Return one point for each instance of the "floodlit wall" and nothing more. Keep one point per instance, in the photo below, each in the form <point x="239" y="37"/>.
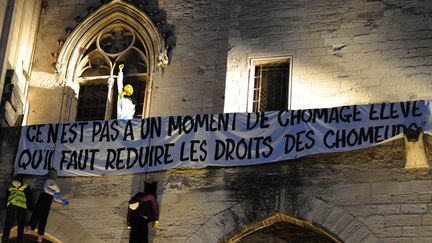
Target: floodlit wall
<point x="2" y="12"/>
<point x="18" y="55"/>
<point x="343" y="52"/>
<point x="3" y="5"/>
<point x="198" y="61"/>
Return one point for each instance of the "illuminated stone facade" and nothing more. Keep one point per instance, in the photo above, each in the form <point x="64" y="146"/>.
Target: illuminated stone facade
<point x="341" y="52"/>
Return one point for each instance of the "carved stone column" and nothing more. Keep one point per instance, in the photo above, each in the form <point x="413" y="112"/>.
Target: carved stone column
<point x="109" y="102"/>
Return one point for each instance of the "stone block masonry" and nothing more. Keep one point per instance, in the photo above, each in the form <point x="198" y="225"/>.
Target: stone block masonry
<point x="372" y="49"/>
<point x="342" y="52"/>
<point x="208" y="204"/>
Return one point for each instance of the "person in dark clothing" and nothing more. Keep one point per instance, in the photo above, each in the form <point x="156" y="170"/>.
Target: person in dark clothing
<point x="40" y="215"/>
<point x="138" y="216"/>
<point x="19" y="200"/>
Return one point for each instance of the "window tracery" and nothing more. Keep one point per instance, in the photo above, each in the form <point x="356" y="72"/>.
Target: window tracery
<point x="116" y="44"/>
<point x="115" y="32"/>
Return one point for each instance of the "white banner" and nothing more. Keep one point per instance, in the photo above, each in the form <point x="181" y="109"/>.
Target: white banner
<point x="114" y="147"/>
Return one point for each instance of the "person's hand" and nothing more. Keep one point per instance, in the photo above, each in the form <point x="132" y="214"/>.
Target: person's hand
<point x="156" y="224"/>
<point x="57" y="196"/>
<point x="65" y="202"/>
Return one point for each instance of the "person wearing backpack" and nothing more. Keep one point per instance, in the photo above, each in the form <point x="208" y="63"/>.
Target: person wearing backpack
<point x="143" y="208"/>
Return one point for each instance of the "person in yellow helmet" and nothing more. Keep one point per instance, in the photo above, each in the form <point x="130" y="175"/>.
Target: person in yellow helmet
<point x="125" y="103"/>
<point x="127" y="90"/>
<point x="19" y="200"/>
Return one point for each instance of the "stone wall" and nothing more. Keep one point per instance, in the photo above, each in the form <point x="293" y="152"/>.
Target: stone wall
<point x="55" y="18"/>
<point x="3" y="21"/>
<point x="361" y="195"/>
<point x="198" y="60"/>
<point x="343" y="52"/>
<point x="22" y="21"/>
<point x="364" y="195"/>
<point x="2" y="12"/>
<point x="8" y="147"/>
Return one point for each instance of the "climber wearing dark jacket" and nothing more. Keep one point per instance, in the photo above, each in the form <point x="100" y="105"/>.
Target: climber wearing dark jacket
<point x="143" y="208"/>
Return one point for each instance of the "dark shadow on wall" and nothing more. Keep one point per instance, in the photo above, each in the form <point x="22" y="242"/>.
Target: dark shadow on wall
<point x="9" y="138"/>
<point x="264" y="186"/>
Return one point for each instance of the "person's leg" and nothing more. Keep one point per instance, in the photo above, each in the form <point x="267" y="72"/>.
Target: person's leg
<point x="10" y="216"/>
<point x="21" y="220"/>
<point x="132" y="234"/>
<point x="40" y="238"/>
<point x="145" y="233"/>
<point x="46" y="201"/>
<point x="34" y="219"/>
<point x="139" y="232"/>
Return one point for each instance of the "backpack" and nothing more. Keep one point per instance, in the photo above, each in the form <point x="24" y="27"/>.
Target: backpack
<point x="145" y="210"/>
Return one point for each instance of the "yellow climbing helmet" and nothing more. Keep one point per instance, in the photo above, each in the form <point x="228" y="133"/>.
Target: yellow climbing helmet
<point x="128" y="90"/>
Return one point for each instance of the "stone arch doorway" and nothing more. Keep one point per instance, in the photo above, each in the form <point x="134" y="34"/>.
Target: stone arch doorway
<point x="310" y="212"/>
<point x="282" y="228"/>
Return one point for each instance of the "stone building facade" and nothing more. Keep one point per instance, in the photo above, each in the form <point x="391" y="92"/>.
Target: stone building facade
<point x="194" y="57"/>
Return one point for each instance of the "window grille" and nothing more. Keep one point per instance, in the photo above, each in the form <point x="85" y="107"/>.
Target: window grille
<point x="91" y="102"/>
<point x="270" y="92"/>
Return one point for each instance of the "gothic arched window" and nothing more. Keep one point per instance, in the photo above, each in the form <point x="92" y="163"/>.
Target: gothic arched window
<point x="88" y="63"/>
<point x="116" y="44"/>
